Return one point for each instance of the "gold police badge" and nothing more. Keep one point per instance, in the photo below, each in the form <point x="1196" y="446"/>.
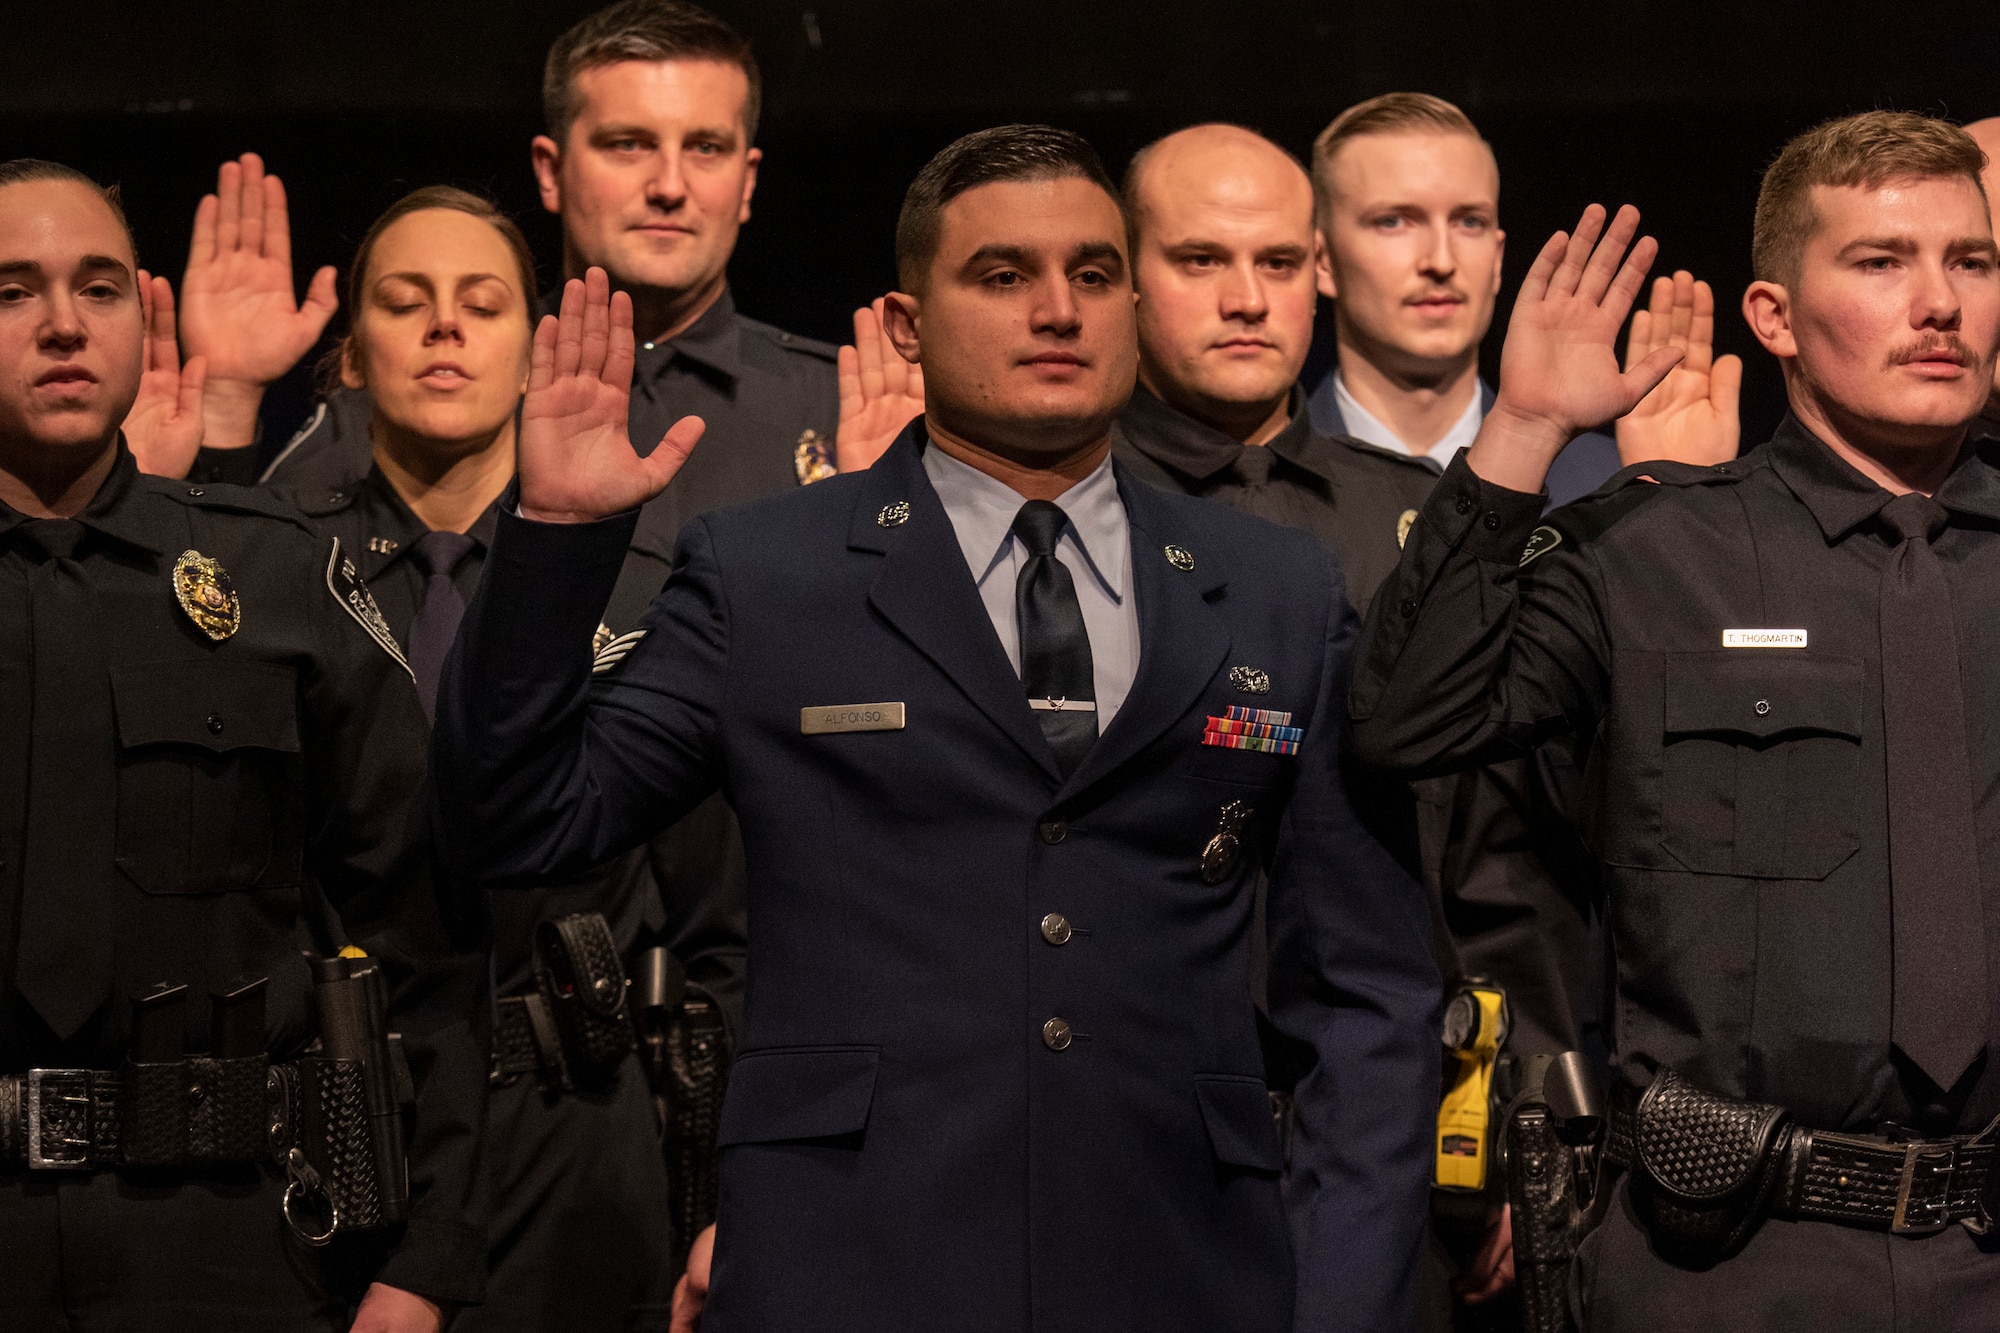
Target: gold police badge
<point x="207" y="594"/>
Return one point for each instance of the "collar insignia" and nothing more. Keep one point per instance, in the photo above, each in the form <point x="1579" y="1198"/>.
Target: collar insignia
<point x="1404" y="522"/>
<point x="206" y="592"/>
<point x="1180" y="558"/>
<point x="894" y="515"/>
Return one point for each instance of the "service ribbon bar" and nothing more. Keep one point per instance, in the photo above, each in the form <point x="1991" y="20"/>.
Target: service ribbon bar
<point x="1263" y="717"/>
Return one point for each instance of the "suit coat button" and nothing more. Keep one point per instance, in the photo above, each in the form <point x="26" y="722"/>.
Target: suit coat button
<point x="1052" y="831"/>
<point x="1056" y="929"/>
<point x="1056" y="1035"/>
<point x="215" y="724"/>
<point x="1464" y="504"/>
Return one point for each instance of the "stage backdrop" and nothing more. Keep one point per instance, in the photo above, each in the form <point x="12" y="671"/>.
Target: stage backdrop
<point x="1675" y="108"/>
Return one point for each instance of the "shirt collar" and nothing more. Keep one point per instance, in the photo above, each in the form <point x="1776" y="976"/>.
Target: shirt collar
<point x="108" y="512"/>
<point x="1841" y="499"/>
<point x="713" y="341"/>
<point x="1365" y="426"/>
<point x="1196" y="450"/>
<point x="389" y="515"/>
<point x="982" y="511"/>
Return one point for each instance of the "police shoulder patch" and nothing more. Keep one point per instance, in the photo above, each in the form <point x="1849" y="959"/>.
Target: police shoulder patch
<point x="343" y="580"/>
<point x="608" y="649"/>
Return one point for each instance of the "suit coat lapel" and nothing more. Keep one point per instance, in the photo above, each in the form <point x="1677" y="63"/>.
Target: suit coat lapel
<point x="925" y="591"/>
<point x="1182" y="641"/>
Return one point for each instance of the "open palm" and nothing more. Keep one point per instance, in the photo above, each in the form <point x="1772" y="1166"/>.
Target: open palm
<point x="880" y="393"/>
<point x="577" y="462"/>
<point x="163" y="428"/>
<point x="1560" y="361"/>
<point x="1691" y="417"/>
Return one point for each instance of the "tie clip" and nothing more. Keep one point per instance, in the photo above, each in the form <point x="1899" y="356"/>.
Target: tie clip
<point x="1064" y="705"/>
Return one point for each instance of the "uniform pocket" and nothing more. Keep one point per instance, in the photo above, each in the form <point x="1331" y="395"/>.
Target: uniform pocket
<point x="1237" y="1111"/>
<point x="209" y="790"/>
<point x="1762" y="762"/>
<point x="785" y="1094"/>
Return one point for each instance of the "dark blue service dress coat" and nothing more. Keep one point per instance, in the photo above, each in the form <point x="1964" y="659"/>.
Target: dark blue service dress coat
<point x="905" y="1145"/>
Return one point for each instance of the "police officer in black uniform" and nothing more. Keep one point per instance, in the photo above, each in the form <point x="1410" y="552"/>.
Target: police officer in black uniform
<point x="213" y="762"/>
<point x="1223" y="250"/>
<point x="1783" y="668"/>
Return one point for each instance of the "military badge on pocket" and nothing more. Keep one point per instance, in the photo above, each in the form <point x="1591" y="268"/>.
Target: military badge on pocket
<point x="1218" y="858"/>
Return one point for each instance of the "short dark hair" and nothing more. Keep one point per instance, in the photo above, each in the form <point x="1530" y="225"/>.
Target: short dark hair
<point x="643" y="30"/>
<point x="1003" y="153"/>
<point x="418" y="201"/>
<point x="24" y="169"/>
<point x="1870" y="149"/>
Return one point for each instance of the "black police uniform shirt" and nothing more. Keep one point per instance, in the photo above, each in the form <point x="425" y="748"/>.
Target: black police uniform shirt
<point x="1511" y="887"/>
<point x="1745" y="848"/>
<point x="763" y="393"/>
<point x="234" y="790"/>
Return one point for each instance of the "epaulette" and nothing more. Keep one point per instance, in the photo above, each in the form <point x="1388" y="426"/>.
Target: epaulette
<point x="792" y="342"/>
<point x="1584" y="520"/>
<point x="223" y="498"/>
<point x="322" y="501"/>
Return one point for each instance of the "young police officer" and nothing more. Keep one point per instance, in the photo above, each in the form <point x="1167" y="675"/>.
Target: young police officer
<point x="1785" y="666"/>
<point x="211" y="760"/>
<point x="1011" y="735"/>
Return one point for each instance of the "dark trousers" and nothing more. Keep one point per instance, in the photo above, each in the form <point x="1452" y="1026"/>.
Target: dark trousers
<point x="579" y="1231"/>
<point x="1811" y="1276"/>
<point x="115" y="1253"/>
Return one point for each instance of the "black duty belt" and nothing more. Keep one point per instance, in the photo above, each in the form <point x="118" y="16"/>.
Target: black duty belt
<point x="184" y="1113"/>
<point x="525" y="1040"/>
<point x="1705" y="1151"/>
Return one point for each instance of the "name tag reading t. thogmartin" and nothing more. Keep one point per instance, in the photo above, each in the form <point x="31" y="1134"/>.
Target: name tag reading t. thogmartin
<point x="1763" y="638"/>
<point x="829" y="718"/>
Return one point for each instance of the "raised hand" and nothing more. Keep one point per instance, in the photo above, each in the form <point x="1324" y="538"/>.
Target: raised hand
<point x="237" y="304"/>
<point x="880" y="393"/>
<point x="577" y="462"/>
<point x="164" y="427"/>
<point x="1559" y="372"/>
<point x="1691" y="417"/>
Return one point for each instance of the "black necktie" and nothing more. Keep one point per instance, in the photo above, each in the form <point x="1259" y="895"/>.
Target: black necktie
<point x="437" y="554"/>
<point x="1055" y="649"/>
<point x="1940" y="941"/>
<point x="67" y="928"/>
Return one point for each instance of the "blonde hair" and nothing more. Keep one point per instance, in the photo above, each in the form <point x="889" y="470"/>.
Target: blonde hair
<point x="1391" y="113"/>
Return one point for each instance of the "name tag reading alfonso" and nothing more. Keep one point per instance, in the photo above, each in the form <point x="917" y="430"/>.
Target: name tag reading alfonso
<point x="829" y="718"/>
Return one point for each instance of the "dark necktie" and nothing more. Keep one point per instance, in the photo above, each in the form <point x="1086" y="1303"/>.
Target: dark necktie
<point x="1940" y="941"/>
<point x="1055" y="650"/>
<point x="438" y="555"/>
<point x="67" y="927"/>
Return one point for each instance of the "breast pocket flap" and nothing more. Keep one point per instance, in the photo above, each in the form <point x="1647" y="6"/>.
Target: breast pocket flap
<point x="800" y="1092"/>
<point x="217" y="705"/>
<point x="1763" y="693"/>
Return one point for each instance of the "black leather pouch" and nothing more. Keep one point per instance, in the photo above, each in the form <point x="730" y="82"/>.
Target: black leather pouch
<point x="1705" y="1168"/>
<point x="583" y="980"/>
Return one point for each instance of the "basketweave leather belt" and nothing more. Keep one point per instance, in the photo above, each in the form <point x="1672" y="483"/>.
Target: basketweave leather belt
<point x="1703" y="1148"/>
<point x="192" y="1112"/>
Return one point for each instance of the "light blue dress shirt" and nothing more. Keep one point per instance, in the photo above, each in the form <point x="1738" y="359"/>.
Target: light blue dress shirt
<point x="1095" y="546"/>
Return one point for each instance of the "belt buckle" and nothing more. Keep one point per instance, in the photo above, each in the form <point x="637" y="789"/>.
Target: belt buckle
<point x="59" y="1107"/>
<point x="1923" y="1195"/>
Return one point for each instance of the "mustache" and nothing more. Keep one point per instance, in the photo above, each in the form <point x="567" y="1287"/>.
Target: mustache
<point x="1933" y="343"/>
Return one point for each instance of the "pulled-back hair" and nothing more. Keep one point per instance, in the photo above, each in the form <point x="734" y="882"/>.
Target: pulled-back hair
<point x="1870" y="150"/>
<point x="643" y="30"/>
<point x="1003" y="153"/>
<point x="417" y="201"/>
<point x="1391" y="113"/>
<point x="24" y="169"/>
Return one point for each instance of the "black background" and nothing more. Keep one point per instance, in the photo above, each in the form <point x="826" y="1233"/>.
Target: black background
<point x="1673" y="107"/>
